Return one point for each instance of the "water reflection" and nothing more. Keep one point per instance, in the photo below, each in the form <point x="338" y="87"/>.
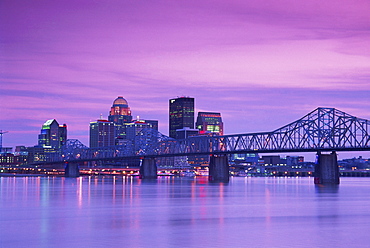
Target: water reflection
<point x="327" y="189"/>
<point x="189" y="212"/>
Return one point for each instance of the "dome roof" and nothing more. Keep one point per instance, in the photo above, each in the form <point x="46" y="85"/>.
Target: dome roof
<point x="120" y="101"/>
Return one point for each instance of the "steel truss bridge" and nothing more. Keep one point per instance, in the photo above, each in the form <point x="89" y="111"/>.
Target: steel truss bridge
<point x="324" y="129"/>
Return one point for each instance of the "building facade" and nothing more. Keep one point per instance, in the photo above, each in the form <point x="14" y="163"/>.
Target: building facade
<point x="186" y="132"/>
<point x="52" y="134"/>
<point x="181" y="114"/>
<point x="135" y="127"/>
<point x="102" y="133"/>
<point x="120" y="114"/>
<point x="210" y="123"/>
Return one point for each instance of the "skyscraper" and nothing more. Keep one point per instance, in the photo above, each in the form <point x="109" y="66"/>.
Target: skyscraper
<point x="120" y="111"/>
<point x="120" y="114"/>
<point x="181" y="114"/>
<point x="52" y="134"/>
<point x="134" y="128"/>
<point x="101" y="133"/>
<point x="210" y="123"/>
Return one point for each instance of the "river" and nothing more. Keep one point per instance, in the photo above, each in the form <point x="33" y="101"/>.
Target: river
<point x="182" y="212"/>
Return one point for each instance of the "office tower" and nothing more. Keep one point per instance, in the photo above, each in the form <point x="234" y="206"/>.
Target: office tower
<point x="142" y="133"/>
<point x="181" y="114"/>
<point x="101" y="133"/>
<point x="120" y="111"/>
<point x="135" y="127"/>
<point x="52" y="134"/>
<point x="120" y="114"/>
<point x="210" y="123"/>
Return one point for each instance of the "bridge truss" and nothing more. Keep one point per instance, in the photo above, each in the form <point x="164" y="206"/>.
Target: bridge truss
<point x="324" y="129"/>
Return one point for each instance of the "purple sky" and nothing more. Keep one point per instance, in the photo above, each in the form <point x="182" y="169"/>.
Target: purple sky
<point x="262" y="64"/>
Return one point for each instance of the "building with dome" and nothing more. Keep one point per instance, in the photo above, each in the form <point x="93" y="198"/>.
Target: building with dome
<point x="119" y="129"/>
<point x="120" y="114"/>
<point x="120" y="111"/>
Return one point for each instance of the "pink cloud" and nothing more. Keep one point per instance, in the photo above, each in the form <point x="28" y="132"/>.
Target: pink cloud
<point x="250" y="60"/>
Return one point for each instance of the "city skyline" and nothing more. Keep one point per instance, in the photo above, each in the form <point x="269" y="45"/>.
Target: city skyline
<point x="261" y="65"/>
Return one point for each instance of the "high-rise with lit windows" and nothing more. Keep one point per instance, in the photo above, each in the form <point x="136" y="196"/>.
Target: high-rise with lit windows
<point x="120" y="114"/>
<point x="120" y="111"/>
<point x="101" y="133"/>
<point x="52" y="134"/>
<point x="181" y="114"/>
<point x="209" y="123"/>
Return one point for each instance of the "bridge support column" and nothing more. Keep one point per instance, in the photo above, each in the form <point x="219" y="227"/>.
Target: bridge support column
<point x="326" y="169"/>
<point x="218" y="168"/>
<point x="71" y="170"/>
<point x="148" y="169"/>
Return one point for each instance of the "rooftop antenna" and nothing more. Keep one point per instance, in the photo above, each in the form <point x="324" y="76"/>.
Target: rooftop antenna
<point x="1" y="139"/>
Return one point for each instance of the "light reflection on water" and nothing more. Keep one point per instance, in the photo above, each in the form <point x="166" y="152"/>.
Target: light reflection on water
<point x="182" y="212"/>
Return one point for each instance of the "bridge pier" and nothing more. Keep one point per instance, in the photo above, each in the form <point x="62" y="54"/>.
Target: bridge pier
<point x="326" y="169"/>
<point x="71" y="170"/>
<point x="218" y="168"/>
<point x="148" y="168"/>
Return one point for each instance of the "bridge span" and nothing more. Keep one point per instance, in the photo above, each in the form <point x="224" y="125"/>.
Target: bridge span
<point x="323" y="129"/>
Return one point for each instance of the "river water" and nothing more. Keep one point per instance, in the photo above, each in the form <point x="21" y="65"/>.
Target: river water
<point x="182" y="212"/>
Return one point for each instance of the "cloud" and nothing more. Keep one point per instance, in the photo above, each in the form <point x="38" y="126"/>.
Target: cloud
<point x="261" y="64"/>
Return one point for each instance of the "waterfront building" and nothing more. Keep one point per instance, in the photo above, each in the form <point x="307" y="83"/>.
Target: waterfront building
<point x="8" y="159"/>
<point x="40" y="154"/>
<point x="6" y="149"/>
<point x="22" y="153"/>
<point x="244" y="159"/>
<point x="20" y="150"/>
<point x="243" y="163"/>
<point x="209" y="123"/>
<point x="181" y="114"/>
<point x="52" y="134"/>
<point x="273" y="160"/>
<point x="102" y="133"/>
<point x="294" y="161"/>
<point x="355" y="163"/>
<point x="120" y="114"/>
